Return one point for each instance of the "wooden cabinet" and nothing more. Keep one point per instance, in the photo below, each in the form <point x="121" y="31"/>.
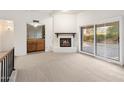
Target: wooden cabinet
<point x="40" y="45"/>
<point x="35" y="38"/>
<point x="35" y="45"/>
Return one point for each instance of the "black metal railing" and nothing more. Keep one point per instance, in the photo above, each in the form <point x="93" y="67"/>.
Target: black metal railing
<point x="7" y="65"/>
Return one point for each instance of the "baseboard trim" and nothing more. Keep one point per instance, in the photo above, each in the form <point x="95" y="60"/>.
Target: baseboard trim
<point x="13" y="76"/>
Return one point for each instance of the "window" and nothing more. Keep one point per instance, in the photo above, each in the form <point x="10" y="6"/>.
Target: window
<point x="88" y="39"/>
<point x="105" y="41"/>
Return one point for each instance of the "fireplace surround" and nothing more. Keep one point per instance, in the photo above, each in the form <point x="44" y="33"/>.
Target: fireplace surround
<point x="65" y="42"/>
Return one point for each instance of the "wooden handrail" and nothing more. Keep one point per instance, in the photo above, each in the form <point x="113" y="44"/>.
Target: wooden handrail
<point x="4" y="54"/>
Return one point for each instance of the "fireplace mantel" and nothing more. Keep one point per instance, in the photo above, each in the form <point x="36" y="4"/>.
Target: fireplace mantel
<point x="57" y="34"/>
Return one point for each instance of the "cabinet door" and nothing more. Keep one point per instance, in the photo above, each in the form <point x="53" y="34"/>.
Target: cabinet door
<point x="31" y="46"/>
<point x="40" y="45"/>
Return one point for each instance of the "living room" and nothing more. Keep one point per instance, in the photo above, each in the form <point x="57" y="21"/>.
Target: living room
<point x="60" y="46"/>
<point x="79" y="34"/>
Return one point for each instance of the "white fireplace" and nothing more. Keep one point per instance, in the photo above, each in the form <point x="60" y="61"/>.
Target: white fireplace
<point x="65" y="42"/>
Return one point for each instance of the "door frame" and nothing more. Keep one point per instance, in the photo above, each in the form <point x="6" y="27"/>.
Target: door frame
<point x="27" y="38"/>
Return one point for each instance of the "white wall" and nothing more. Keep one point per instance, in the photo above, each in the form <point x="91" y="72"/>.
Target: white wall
<point x="0" y="37"/>
<point x="94" y="17"/>
<point x="48" y="22"/>
<point x="7" y="34"/>
<point x="20" y="19"/>
<point x="64" y="23"/>
<point x="0" y="42"/>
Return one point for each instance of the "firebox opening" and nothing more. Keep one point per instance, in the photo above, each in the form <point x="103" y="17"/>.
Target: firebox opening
<point x="65" y="42"/>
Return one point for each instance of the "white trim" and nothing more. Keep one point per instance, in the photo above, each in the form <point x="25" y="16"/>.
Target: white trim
<point x="101" y="58"/>
<point x="87" y="53"/>
<point x="13" y="76"/>
<point x="94" y="40"/>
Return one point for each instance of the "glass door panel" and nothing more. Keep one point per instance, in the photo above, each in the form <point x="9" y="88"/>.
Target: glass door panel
<point x="88" y="39"/>
<point x="107" y="40"/>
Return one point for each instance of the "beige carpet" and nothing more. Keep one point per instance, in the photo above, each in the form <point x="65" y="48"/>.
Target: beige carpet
<point x="65" y="67"/>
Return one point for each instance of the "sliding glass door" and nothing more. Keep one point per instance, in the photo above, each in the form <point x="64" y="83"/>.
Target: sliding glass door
<point x="107" y="40"/>
<point x="88" y="39"/>
<point x="104" y="42"/>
